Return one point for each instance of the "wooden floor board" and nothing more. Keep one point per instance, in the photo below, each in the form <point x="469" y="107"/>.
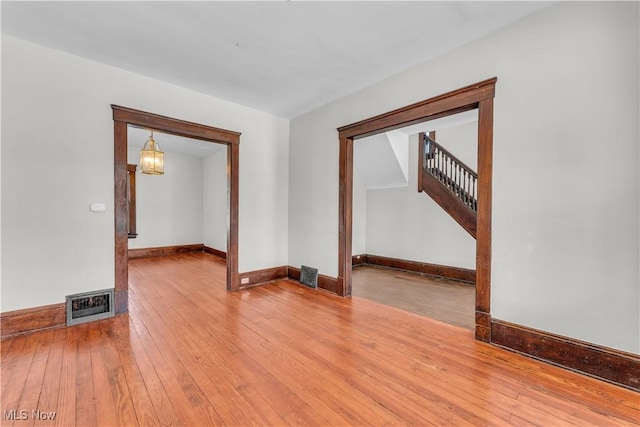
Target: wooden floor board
<point x="446" y="300"/>
<point x="191" y="353"/>
<point x="67" y="386"/>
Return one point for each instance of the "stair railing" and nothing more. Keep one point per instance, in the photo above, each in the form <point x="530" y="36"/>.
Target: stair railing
<point x="459" y="178"/>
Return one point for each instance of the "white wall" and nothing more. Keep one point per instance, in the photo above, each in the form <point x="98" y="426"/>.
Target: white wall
<point x="57" y="159"/>
<point x="462" y="141"/>
<point x="214" y="196"/>
<point x="566" y="179"/>
<point x="405" y="224"/>
<point x="168" y="207"/>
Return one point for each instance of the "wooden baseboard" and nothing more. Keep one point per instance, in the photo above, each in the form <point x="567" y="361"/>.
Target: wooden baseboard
<point x="604" y="363"/>
<point x="483" y="326"/>
<point x="456" y="273"/>
<point x="258" y="277"/>
<point x="327" y="283"/>
<point x="216" y="252"/>
<point x="164" y="250"/>
<point x="32" y="319"/>
<point x="358" y="260"/>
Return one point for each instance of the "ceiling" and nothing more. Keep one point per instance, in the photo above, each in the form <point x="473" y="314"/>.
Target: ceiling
<point x="382" y="160"/>
<point x="281" y="57"/>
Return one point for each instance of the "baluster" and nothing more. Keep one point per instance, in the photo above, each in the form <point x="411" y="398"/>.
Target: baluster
<point x="448" y="174"/>
<point x="455" y="177"/>
<point x="458" y="180"/>
<point x="475" y="197"/>
<point x="463" y="185"/>
<point x="446" y="168"/>
<point x="454" y="168"/>
<point x="468" y="187"/>
<point x="425" y="161"/>
<point x="449" y="171"/>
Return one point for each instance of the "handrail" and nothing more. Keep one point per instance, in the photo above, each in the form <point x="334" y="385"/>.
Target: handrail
<point x="456" y="176"/>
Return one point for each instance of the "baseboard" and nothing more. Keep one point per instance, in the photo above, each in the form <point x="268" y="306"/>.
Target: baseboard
<point x="456" y="273"/>
<point x="32" y="319"/>
<point x="601" y="362"/>
<point x="164" y="250"/>
<point x="216" y="252"/>
<point x="358" y="260"/>
<point x="258" y="277"/>
<point x="327" y="283"/>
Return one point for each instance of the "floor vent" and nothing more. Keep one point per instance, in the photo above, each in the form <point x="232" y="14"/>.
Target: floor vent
<point x="89" y="306"/>
<point x="309" y="276"/>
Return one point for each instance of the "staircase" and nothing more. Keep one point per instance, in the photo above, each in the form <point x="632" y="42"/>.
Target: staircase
<point x="449" y="182"/>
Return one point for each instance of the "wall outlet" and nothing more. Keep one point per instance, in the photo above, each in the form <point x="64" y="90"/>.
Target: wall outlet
<point x="244" y="280"/>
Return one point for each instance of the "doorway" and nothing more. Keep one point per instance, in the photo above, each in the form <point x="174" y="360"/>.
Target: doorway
<point x="122" y="118"/>
<point x="477" y="96"/>
<point x="408" y="251"/>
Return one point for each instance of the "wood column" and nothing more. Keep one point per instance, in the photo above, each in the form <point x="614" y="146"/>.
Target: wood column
<point x="121" y="218"/>
<point x="483" y="232"/>
<point x="345" y="224"/>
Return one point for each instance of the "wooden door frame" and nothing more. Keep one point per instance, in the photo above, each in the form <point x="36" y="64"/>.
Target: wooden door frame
<point x="122" y="117"/>
<point x="479" y="95"/>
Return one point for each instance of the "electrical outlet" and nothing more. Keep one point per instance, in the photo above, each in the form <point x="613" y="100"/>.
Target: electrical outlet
<point x="244" y="280"/>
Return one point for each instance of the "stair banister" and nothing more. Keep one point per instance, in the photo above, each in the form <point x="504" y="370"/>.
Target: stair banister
<point x="450" y="171"/>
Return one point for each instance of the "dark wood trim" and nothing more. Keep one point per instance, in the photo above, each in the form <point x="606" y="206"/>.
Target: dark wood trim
<point x="454" y="102"/>
<point x="326" y="283"/>
<point x="483" y="230"/>
<point x="421" y="162"/>
<point x="455" y="207"/>
<point x="479" y="95"/>
<point x="259" y="277"/>
<point x="233" y="194"/>
<point x="121" y="215"/>
<point x="345" y="219"/>
<point x="358" y="260"/>
<point x="456" y="273"/>
<point x="483" y="327"/>
<point x="174" y="126"/>
<point x="122" y="117"/>
<point x="131" y="199"/>
<point x="216" y="252"/>
<point x="165" y="250"/>
<point x="605" y="363"/>
<point x="32" y="319"/>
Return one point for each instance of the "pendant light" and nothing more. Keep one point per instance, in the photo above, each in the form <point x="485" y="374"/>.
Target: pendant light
<point x="151" y="158"/>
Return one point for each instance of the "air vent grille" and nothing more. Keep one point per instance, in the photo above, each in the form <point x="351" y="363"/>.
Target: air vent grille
<point x="309" y="276"/>
<point x="89" y="306"/>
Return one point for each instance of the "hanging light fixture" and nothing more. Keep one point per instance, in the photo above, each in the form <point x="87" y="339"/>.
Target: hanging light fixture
<point x="151" y="158"/>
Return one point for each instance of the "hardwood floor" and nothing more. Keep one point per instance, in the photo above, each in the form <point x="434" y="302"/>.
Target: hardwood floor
<point x="190" y="353"/>
<point x="448" y="301"/>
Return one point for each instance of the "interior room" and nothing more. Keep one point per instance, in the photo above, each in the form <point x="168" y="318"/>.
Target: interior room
<point x="393" y="221"/>
<point x="490" y="143"/>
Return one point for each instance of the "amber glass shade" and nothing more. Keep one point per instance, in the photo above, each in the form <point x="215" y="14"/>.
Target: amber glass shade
<point x="151" y="158"/>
